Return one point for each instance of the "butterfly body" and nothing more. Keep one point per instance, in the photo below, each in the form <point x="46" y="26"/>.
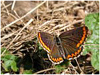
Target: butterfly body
<point x="65" y="46"/>
<point x="59" y="45"/>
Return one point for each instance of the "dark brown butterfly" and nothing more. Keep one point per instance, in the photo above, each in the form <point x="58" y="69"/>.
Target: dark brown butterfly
<point x="67" y="45"/>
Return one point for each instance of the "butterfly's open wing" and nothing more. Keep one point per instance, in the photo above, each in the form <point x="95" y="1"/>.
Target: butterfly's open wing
<point x="55" y="55"/>
<point x="48" y="42"/>
<point x="72" y="41"/>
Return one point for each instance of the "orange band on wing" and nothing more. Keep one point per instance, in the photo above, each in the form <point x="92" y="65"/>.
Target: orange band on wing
<point x="83" y="37"/>
<point x="56" y="59"/>
<point x="39" y="36"/>
<point x="74" y="54"/>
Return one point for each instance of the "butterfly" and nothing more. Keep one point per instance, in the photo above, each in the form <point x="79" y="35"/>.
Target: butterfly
<point x="67" y="45"/>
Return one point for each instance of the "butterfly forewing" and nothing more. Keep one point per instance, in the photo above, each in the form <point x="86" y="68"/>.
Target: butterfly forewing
<point x="49" y="43"/>
<point x="72" y="40"/>
<point x="46" y="40"/>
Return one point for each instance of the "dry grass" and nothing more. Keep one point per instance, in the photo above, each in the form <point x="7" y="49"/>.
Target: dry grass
<point x="20" y="22"/>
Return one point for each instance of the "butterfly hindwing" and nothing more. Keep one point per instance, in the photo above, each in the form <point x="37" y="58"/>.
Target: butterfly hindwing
<point x="55" y="55"/>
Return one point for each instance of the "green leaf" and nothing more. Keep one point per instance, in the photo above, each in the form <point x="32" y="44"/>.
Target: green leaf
<point x="7" y="65"/>
<point x="95" y="60"/>
<point x="13" y="57"/>
<point x="61" y="67"/>
<point x="3" y="49"/>
<point x="6" y="57"/>
<point x="14" y="66"/>
<point x="9" y="57"/>
<point x="90" y="48"/>
<point x="9" y="62"/>
<point x="92" y="22"/>
<point x="27" y="72"/>
<point x="40" y="48"/>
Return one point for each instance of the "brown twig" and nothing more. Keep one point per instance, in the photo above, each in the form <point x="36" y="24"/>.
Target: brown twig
<point x="74" y="68"/>
<point x="70" y="24"/>
<point x="13" y="5"/>
<point x="44" y="70"/>
<point x="79" y="66"/>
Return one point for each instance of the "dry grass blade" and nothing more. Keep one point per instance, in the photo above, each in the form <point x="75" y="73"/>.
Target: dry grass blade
<point x="47" y="22"/>
<point x="74" y="68"/>
<point x="70" y="25"/>
<point x="79" y="67"/>
<point x="7" y="36"/>
<point x="44" y="70"/>
<point x="13" y="5"/>
<point x="7" y="6"/>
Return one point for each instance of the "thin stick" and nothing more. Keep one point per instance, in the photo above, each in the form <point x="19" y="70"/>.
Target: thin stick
<point x="44" y="70"/>
<point x="47" y="4"/>
<point x="79" y="66"/>
<point x="45" y="23"/>
<point x="23" y="16"/>
<point x="10" y="14"/>
<point x="7" y="6"/>
<point x="74" y="68"/>
<point x="13" y="5"/>
<point x="9" y="35"/>
<point x="18" y="16"/>
<point x="61" y="25"/>
<point x="70" y="24"/>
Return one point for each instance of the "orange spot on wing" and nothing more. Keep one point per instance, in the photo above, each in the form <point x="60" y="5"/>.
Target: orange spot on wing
<point x="69" y="56"/>
<point x="78" y="45"/>
<point x="72" y="55"/>
<point x="56" y="59"/>
<point x="84" y="28"/>
<point x="83" y="37"/>
<point x="79" y="51"/>
<point x="81" y="41"/>
<point x="60" y="59"/>
<point x="76" y="53"/>
<point x="53" y="59"/>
